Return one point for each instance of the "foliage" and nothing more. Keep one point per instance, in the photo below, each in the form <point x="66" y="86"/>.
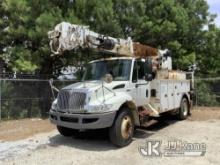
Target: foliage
<point x="205" y="95"/>
<point x="185" y="27"/>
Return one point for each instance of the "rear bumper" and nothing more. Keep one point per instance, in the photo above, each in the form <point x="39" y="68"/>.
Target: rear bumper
<point x="82" y="121"/>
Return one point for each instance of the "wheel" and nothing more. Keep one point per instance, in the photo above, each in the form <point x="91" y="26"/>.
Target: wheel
<point x="121" y="132"/>
<point x="66" y="131"/>
<point x="183" y="110"/>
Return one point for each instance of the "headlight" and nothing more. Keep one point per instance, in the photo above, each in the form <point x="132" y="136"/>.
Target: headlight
<point x="54" y="105"/>
<point x="102" y="107"/>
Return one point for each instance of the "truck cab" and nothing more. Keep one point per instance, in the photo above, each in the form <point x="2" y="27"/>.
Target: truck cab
<point x="119" y="93"/>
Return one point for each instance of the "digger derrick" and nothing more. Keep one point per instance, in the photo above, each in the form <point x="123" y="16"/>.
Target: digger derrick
<point x="66" y="36"/>
<point x="140" y="86"/>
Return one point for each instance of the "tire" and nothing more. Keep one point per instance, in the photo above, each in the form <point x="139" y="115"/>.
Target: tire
<point x="66" y="131"/>
<point x="184" y="109"/>
<point x="122" y="130"/>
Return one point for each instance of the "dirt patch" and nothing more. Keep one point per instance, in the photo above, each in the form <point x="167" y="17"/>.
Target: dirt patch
<point x="205" y="113"/>
<point x="52" y="148"/>
<point x="95" y="147"/>
<point x="20" y="129"/>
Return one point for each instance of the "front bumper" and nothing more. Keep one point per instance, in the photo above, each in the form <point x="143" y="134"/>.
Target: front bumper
<point x="82" y="121"/>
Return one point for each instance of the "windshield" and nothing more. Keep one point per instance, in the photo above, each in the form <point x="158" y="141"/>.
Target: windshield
<point x="119" y="69"/>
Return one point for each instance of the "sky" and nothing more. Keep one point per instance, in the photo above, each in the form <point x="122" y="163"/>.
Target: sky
<point x="215" y="9"/>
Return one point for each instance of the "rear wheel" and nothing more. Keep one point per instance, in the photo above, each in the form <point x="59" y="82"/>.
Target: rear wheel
<point x="121" y="132"/>
<point x="184" y="109"/>
<point x="67" y="131"/>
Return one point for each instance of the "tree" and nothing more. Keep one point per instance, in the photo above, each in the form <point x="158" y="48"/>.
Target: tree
<point x="177" y="25"/>
<point x="174" y="24"/>
<point x="208" y="53"/>
<point x="183" y="26"/>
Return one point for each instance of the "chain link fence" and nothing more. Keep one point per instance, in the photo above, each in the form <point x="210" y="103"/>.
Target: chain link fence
<point x="28" y="98"/>
<point x="207" y="92"/>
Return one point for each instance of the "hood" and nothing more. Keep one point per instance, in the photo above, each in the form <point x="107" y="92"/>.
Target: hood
<point x="88" y="86"/>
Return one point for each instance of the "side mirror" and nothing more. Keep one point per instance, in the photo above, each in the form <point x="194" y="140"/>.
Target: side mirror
<point x="148" y="69"/>
<point x="148" y="77"/>
<point x="148" y="66"/>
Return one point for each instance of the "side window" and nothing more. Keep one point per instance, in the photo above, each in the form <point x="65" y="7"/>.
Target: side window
<point x="141" y="70"/>
<point x="134" y="75"/>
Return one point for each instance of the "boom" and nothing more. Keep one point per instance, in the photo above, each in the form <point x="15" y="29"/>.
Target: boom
<point x="66" y="36"/>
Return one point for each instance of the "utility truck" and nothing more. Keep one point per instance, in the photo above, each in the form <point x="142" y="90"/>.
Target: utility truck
<point x="120" y="92"/>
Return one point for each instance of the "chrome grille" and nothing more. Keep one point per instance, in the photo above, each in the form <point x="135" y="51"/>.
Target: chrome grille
<point x="69" y="100"/>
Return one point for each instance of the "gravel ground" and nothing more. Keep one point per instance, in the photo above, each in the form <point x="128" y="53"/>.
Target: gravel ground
<point x="94" y="148"/>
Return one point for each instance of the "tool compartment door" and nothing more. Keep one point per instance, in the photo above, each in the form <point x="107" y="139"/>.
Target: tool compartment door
<point x="163" y="95"/>
<point x="177" y="93"/>
<point x="170" y="94"/>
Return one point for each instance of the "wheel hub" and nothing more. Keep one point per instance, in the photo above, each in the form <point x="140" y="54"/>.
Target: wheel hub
<point x="184" y="109"/>
<point x="126" y="127"/>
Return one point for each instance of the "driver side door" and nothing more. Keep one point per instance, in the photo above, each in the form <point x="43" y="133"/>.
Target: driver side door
<point x="141" y="85"/>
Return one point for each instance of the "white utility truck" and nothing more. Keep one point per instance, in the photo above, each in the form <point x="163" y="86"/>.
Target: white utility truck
<point x="121" y="92"/>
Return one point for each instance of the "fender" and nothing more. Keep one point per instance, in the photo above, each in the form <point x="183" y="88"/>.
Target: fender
<point x="123" y="99"/>
<point x="117" y="100"/>
<point x="187" y="96"/>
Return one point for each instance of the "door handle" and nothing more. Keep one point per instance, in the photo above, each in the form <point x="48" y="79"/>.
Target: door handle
<point x="137" y="85"/>
<point x="129" y="89"/>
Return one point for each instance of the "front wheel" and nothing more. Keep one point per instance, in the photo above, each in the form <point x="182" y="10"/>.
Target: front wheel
<point x="121" y="132"/>
<point x="183" y="110"/>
